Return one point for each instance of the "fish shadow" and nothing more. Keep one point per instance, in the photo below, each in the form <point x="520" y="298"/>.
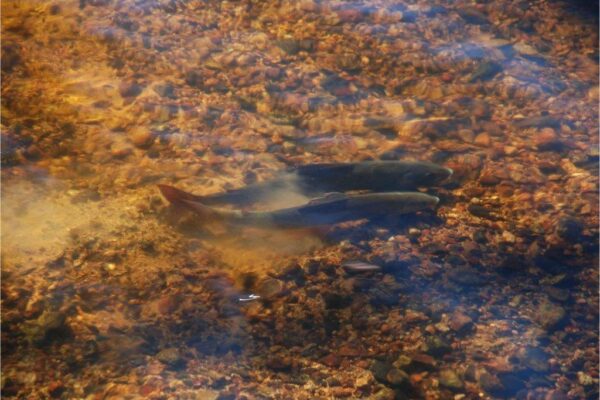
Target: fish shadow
<point x="381" y="226"/>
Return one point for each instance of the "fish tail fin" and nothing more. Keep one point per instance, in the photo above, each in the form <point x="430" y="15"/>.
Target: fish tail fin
<point x="178" y="197"/>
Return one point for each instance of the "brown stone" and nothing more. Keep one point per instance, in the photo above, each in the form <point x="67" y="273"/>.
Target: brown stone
<point x="130" y="89"/>
<point x="460" y="321"/>
<point x="141" y="137"/>
<point x="547" y="139"/>
<point x="483" y="139"/>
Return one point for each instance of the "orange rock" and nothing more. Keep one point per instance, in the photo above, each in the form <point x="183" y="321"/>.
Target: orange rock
<point x="483" y="139"/>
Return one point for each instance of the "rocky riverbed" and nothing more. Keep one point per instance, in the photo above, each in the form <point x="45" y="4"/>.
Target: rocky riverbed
<point x="109" y="293"/>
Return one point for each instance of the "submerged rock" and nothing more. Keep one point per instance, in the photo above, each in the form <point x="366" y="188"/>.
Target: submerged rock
<point x="130" y="89"/>
<point x="48" y="326"/>
<point x="569" y="229"/>
<point x="460" y="322"/>
<point x="548" y="140"/>
<point x="397" y="377"/>
<point x="270" y="288"/>
<point x="387" y="373"/>
<point x="290" y="46"/>
<point x="279" y="363"/>
<point x="170" y="356"/>
<point x="536" y="359"/>
<point x="141" y="137"/>
<point x="485" y="71"/>
<point x="450" y="379"/>
<point x="549" y="315"/>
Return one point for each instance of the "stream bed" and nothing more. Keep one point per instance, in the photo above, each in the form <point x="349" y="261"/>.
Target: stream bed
<point x="108" y="292"/>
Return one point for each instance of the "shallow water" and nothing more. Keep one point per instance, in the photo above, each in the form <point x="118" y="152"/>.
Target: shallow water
<point x="108" y="292"/>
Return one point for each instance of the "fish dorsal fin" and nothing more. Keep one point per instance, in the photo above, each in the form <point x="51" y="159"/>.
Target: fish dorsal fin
<point x="327" y="197"/>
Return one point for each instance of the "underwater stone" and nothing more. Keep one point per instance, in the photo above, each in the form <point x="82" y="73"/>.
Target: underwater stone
<point x="569" y="229"/>
<point x="130" y="89"/>
<point x="549" y="315"/>
<point x="397" y="377"/>
<point x="270" y="288"/>
<point x="170" y="356"/>
<point x="141" y="137"/>
<point x="450" y="379"/>
<point x="536" y="359"/>
<point x="485" y="71"/>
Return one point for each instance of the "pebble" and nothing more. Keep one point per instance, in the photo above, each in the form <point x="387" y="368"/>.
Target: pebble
<point x="561" y="295"/>
<point x="536" y="359"/>
<point x="279" y="363"/>
<point x="483" y="139"/>
<point x="385" y="393"/>
<point x="547" y="140"/>
<point x="422" y="361"/>
<point x="380" y="370"/>
<point x="37" y="332"/>
<point x="290" y="46"/>
<point x="549" y="315"/>
<point x="489" y="383"/>
<point x="481" y="212"/>
<point x="141" y="137"/>
<point x="170" y="356"/>
<point x="120" y="150"/>
<point x="270" y="288"/>
<point x="569" y="229"/>
<point x="436" y="346"/>
<point x="10" y="57"/>
<point x="167" y="304"/>
<point x="349" y="62"/>
<point x="584" y="379"/>
<point x="485" y="71"/>
<point x="460" y="322"/>
<point x="466" y="135"/>
<point x="450" y="379"/>
<point x="331" y="360"/>
<point x="397" y="377"/>
<point x="488" y="178"/>
<point x="165" y="90"/>
<point x="130" y="89"/>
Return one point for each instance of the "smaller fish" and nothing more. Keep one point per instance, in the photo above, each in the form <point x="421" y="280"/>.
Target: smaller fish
<point x="250" y="297"/>
<point x="360" y="266"/>
<point x="330" y="209"/>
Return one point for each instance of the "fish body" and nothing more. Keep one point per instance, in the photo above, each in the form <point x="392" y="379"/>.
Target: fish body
<point x="376" y="176"/>
<point x="317" y="179"/>
<point x="327" y="210"/>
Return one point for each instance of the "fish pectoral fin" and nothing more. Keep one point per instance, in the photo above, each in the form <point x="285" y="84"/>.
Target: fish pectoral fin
<point x="327" y="197"/>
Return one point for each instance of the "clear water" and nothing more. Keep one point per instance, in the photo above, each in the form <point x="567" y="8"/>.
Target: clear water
<point x="109" y="292"/>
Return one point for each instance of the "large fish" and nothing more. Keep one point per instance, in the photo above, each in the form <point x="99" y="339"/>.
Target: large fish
<point x="327" y="210"/>
<point x="317" y="179"/>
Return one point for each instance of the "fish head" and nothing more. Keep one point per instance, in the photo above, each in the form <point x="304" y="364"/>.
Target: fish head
<point x="426" y="174"/>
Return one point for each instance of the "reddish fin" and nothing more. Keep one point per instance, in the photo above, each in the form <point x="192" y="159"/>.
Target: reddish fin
<point x="187" y="200"/>
<point x="176" y="196"/>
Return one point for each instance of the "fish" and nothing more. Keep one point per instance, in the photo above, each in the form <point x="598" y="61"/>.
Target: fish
<point x="317" y="179"/>
<point x="360" y="267"/>
<point x="330" y="209"/>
